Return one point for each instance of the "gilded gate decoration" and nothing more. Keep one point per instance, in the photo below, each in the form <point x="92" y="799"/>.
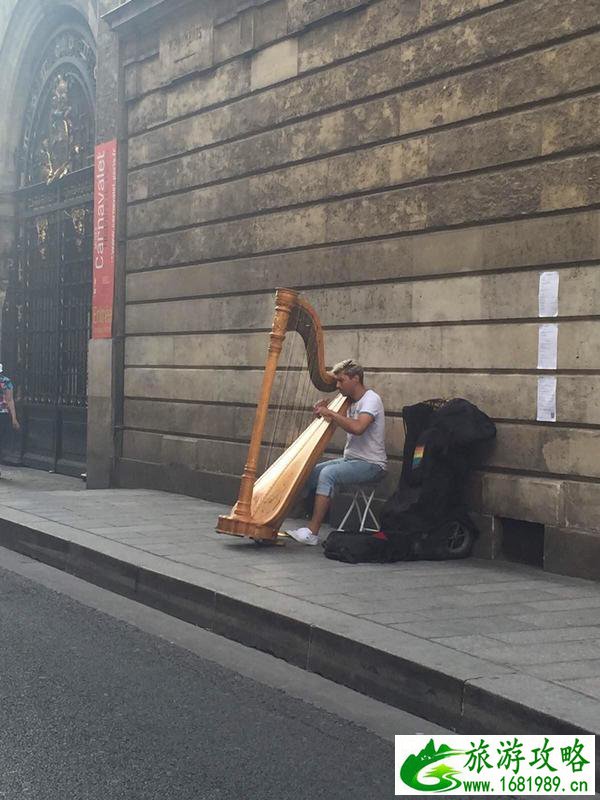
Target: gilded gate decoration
<point x="47" y="309"/>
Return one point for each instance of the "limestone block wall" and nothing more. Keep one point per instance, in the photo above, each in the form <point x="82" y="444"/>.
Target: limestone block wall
<point x="412" y="166"/>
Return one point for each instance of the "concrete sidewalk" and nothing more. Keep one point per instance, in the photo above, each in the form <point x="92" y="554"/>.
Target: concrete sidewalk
<point x="475" y="645"/>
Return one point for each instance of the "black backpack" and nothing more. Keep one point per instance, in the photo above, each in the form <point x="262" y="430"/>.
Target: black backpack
<point x="441" y="447"/>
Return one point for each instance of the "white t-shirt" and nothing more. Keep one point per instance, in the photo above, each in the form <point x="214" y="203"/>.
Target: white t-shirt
<point x="370" y="445"/>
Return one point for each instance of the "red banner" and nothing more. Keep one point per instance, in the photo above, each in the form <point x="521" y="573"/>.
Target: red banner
<point x="105" y="187"/>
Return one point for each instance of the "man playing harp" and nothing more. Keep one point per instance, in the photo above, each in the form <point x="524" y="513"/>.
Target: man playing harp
<point x="364" y="459"/>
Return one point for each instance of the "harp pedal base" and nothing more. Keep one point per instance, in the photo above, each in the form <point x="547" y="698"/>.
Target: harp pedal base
<point x="279" y="541"/>
<point x="234" y="526"/>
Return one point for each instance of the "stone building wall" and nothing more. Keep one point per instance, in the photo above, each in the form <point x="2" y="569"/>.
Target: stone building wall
<point x="412" y="166"/>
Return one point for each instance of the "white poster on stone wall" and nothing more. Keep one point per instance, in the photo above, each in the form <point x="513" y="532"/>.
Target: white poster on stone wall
<point x="548" y="294"/>
<point x="546" y="398"/>
<point x="548" y="346"/>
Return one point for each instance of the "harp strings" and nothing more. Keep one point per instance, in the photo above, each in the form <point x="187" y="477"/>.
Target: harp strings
<point x="295" y="409"/>
<point x="288" y="432"/>
<point x="292" y="411"/>
<point x="300" y="413"/>
<point x="301" y="417"/>
<point x="278" y="408"/>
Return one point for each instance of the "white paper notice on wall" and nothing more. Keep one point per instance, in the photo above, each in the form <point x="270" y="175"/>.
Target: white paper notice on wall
<point x="548" y="294"/>
<point x="548" y="346"/>
<point x="546" y="399"/>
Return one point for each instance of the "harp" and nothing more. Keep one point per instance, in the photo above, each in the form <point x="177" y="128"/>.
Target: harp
<point x="264" y="502"/>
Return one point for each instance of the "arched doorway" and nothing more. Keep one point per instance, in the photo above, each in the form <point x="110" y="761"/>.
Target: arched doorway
<point x="46" y="321"/>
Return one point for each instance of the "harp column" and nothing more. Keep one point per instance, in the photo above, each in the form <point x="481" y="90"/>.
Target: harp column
<point x="285" y="301"/>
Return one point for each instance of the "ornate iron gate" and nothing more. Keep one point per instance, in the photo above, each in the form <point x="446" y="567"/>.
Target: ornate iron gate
<point x="46" y="320"/>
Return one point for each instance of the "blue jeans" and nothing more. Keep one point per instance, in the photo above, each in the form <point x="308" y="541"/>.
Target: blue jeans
<point x="328" y="474"/>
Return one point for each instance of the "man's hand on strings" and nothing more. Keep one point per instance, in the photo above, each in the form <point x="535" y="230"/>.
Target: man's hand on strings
<point x="321" y="410"/>
<point x="326" y="413"/>
<point x="319" y="406"/>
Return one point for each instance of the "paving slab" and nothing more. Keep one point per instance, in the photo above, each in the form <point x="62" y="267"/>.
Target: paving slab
<point x="478" y="646"/>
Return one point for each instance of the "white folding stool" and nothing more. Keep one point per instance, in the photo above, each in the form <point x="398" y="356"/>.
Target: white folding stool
<point x="362" y="499"/>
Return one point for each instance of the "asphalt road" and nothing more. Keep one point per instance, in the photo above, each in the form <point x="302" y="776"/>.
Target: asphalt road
<point x="104" y="699"/>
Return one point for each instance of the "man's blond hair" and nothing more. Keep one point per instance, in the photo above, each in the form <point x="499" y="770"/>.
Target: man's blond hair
<point x="349" y="367"/>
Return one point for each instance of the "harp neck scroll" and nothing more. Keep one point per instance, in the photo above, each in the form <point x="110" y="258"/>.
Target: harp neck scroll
<point x="304" y="320"/>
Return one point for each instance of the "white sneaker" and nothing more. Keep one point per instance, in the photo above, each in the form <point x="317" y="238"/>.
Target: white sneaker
<point x="304" y="536"/>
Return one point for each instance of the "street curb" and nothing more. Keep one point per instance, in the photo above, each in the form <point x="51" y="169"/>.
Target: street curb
<point x="447" y="700"/>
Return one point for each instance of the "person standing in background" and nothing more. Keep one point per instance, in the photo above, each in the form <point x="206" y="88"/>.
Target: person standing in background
<point x="8" y="414"/>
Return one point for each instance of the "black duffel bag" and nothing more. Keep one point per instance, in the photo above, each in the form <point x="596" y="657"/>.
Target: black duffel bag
<point x="356" y="547"/>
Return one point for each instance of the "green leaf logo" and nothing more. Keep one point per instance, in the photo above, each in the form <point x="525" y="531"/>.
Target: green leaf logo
<point x="426" y="766"/>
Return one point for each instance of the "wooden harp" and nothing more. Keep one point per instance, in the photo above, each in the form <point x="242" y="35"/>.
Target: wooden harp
<point x="263" y="503"/>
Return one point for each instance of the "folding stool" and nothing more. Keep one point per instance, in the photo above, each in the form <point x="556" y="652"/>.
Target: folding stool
<point x="362" y="499"/>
